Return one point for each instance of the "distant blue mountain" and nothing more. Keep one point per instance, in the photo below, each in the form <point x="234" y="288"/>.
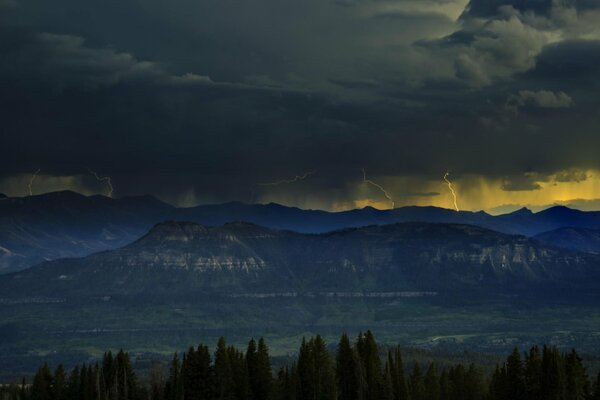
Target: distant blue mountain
<point x="68" y="224"/>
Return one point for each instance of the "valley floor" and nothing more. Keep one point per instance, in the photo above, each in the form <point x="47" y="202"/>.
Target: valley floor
<point x="74" y="332"/>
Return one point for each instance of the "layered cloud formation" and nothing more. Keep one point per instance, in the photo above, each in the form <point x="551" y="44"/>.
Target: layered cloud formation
<point x="198" y="101"/>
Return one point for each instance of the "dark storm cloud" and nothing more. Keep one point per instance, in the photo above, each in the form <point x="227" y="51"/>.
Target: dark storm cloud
<point x="214" y="97"/>
<point x="526" y="182"/>
<point x="576" y="62"/>
<point x="489" y="8"/>
<point x="571" y="175"/>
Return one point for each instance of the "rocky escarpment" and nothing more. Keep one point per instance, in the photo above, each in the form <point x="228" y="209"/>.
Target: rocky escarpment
<point x="184" y="257"/>
<point x="67" y="224"/>
<point x="580" y="239"/>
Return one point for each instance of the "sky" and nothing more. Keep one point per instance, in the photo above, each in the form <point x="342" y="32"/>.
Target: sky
<point x="327" y="104"/>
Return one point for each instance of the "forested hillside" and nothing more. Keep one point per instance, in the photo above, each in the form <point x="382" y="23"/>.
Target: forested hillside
<point x="358" y="370"/>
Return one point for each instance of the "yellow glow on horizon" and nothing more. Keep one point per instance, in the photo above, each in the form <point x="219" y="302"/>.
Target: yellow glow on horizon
<point x="474" y="192"/>
<point x="477" y="192"/>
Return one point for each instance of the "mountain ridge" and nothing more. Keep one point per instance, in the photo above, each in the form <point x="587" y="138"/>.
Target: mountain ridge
<point x="67" y="224"/>
<point x="185" y="258"/>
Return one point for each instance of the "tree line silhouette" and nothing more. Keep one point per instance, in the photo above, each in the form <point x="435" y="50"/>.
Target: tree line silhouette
<point x="359" y="370"/>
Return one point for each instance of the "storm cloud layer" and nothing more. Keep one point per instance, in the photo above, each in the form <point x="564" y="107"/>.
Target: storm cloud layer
<point x="201" y="101"/>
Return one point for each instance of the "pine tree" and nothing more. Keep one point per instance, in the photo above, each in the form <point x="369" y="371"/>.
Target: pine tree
<point x="397" y="370"/>
<point x="97" y="385"/>
<point x="515" y="376"/>
<point x="156" y="381"/>
<point x="371" y="364"/>
<point x="533" y="374"/>
<point x="264" y="371"/>
<point x="90" y="384"/>
<point x="446" y="389"/>
<point x="224" y="381"/>
<point x="316" y="376"/>
<point x="285" y="385"/>
<point x="197" y="373"/>
<point x="108" y="375"/>
<point x="457" y="376"/>
<point x="416" y="384"/>
<point x="305" y="372"/>
<point x="325" y="373"/>
<point x="23" y="392"/>
<point x="59" y="384"/>
<point x="73" y="389"/>
<point x="475" y="388"/>
<point x="387" y="389"/>
<point x="173" y="386"/>
<point x="499" y="384"/>
<point x="41" y="388"/>
<point x="577" y="384"/>
<point x="259" y="369"/>
<point x="432" y="383"/>
<point x="597" y="387"/>
<point x="240" y="373"/>
<point x="553" y="376"/>
<point x="346" y="370"/>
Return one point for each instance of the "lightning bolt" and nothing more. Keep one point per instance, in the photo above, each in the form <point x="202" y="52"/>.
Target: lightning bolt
<point x="385" y="192"/>
<point x="106" y="179"/>
<point x="451" y="190"/>
<point x="30" y="184"/>
<point x="291" y="180"/>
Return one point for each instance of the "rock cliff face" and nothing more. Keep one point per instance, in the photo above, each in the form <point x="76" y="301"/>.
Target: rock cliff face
<point x="580" y="239"/>
<point x="66" y="224"/>
<point x="183" y="257"/>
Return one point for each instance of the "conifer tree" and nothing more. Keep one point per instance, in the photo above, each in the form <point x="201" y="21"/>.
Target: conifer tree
<point x="240" y="373"/>
<point x="457" y="376"/>
<point x="597" y="388"/>
<point x="41" y="388"/>
<point x="533" y="374"/>
<point x="553" y="376"/>
<point x="59" y="384"/>
<point x="224" y="379"/>
<point x="576" y="380"/>
<point x="346" y="370"/>
<point x="259" y="369"/>
<point x="371" y="364"/>
<point x="475" y="388"/>
<point x="445" y="387"/>
<point x="416" y="385"/>
<point x="285" y="385"/>
<point x="432" y="383"/>
<point x="316" y="377"/>
<point x="397" y="370"/>
<point x="173" y="386"/>
<point x="387" y="389"/>
<point x="499" y="384"/>
<point x="23" y="392"/>
<point x="304" y="372"/>
<point x="108" y="375"/>
<point x="204" y="374"/>
<point x="325" y="373"/>
<point x="73" y="384"/>
<point x="515" y="376"/>
<point x="157" y="382"/>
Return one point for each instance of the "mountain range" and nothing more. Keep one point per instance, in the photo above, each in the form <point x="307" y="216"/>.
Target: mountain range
<point x="66" y="224"/>
<point x="188" y="259"/>
<point x="98" y="273"/>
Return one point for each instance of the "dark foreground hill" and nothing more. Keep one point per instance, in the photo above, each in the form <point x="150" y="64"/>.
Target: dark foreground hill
<point x="183" y="258"/>
<point x="66" y="224"/>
